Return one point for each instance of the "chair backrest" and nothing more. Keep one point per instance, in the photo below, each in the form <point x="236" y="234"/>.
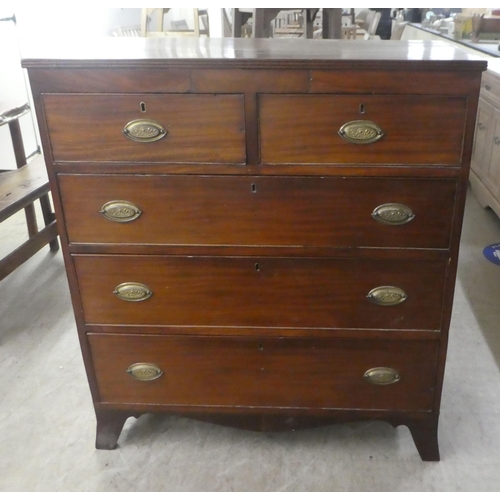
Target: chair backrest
<point x="368" y="20"/>
<point x="127" y="31"/>
<point x="363" y="13"/>
<point x="372" y="28"/>
<point x="397" y="30"/>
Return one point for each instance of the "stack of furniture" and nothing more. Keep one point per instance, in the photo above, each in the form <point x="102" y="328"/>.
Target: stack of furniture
<point x="261" y="20"/>
<point x="367" y="21"/>
<point x="153" y="19"/>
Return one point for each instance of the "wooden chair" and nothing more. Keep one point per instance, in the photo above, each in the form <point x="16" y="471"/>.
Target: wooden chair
<point x="373" y="20"/>
<point x="21" y="187"/>
<point x="397" y="30"/>
<point x="372" y="27"/>
<point x="349" y="32"/>
<point x="362" y="17"/>
<point x="262" y="18"/>
<point x="129" y="31"/>
<point x="153" y="20"/>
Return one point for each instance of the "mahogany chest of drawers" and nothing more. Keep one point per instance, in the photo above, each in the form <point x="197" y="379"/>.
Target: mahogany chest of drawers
<point x="260" y="233"/>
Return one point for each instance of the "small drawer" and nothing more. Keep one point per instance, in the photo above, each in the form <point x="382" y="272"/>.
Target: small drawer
<point x="414" y="130"/>
<point x="261" y="292"/>
<point x="264" y="211"/>
<point x="490" y="87"/>
<point x="265" y="372"/>
<point x="153" y="128"/>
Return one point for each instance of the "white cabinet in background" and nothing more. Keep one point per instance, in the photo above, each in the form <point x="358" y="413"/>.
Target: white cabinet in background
<point x="485" y="164"/>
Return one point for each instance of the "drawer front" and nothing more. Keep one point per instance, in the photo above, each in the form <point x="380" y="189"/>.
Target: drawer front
<point x="198" y="128"/>
<point x="483" y="138"/>
<point x="490" y="87"/>
<point x="266" y="292"/>
<point x="270" y="372"/>
<point x="416" y="129"/>
<point x="274" y="211"/>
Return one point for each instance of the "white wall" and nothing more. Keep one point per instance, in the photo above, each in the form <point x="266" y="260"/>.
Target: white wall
<point x="177" y="14"/>
<point x="13" y="87"/>
<point x="82" y="21"/>
<point x="36" y="21"/>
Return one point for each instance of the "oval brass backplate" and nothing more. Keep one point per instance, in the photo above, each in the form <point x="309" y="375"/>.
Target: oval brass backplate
<point x="361" y="132"/>
<point x="144" y="371"/>
<point x="132" y="292"/>
<point x="120" y="211"/>
<point x="393" y="214"/>
<point x="144" y="131"/>
<point x="387" y="295"/>
<point x="382" y="376"/>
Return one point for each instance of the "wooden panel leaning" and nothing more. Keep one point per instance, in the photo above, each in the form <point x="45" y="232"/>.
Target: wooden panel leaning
<point x="19" y="189"/>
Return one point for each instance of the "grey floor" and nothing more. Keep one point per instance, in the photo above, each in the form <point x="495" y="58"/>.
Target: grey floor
<point x="47" y="423"/>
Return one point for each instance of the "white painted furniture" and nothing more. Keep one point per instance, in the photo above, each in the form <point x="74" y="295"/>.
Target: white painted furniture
<point x="485" y="165"/>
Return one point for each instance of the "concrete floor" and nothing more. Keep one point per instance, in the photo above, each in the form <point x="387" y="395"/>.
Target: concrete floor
<point x="47" y="422"/>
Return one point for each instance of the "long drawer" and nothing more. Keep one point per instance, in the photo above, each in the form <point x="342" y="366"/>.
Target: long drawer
<point x="135" y="128"/>
<point x="265" y="292"/>
<point x="270" y="372"/>
<point x="273" y="211"/>
<point x="425" y="130"/>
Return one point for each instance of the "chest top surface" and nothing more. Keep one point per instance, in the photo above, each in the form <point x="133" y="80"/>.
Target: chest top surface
<point x="230" y="52"/>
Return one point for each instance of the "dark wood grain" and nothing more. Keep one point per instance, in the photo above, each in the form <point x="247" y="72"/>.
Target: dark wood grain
<point x="107" y="80"/>
<point x="425" y="435"/>
<point x="201" y="128"/>
<point x="382" y="82"/>
<point x="201" y="371"/>
<point x="245" y="52"/>
<point x="256" y="233"/>
<point x="264" y="210"/>
<point x="423" y="425"/>
<point x="304" y="129"/>
<point x="232" y="291"/>
<point x="241" y="80"/>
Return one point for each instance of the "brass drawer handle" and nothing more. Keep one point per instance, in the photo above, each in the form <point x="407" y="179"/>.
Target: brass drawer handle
<point x="120" y="211"/>
<point x="133" y="292"/>
<point x="144" y="131"/>
<point x="393" y="214"/>
<point x="361" y="132"/>
<point x="387" y="295"/>
<point x="144" y="371"/>
<point x="382" y="376"/>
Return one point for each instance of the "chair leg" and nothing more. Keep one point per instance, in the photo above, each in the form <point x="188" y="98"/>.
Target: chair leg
<point x="48" y="217"/>
<point x="17" y="143"/>
<point x="20" y="155"/>
<point x="31" y="220"/>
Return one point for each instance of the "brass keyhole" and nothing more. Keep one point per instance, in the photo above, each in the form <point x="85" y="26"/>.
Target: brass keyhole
<point x="257" y="266"/>
<point x="254" y="188"/>
<point x="362" y="109"/>
<point x="261" y="346"/>
<point x="143" y="107"/>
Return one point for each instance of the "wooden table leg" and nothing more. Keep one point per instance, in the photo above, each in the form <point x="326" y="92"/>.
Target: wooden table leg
<point x="332" y="23"/>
